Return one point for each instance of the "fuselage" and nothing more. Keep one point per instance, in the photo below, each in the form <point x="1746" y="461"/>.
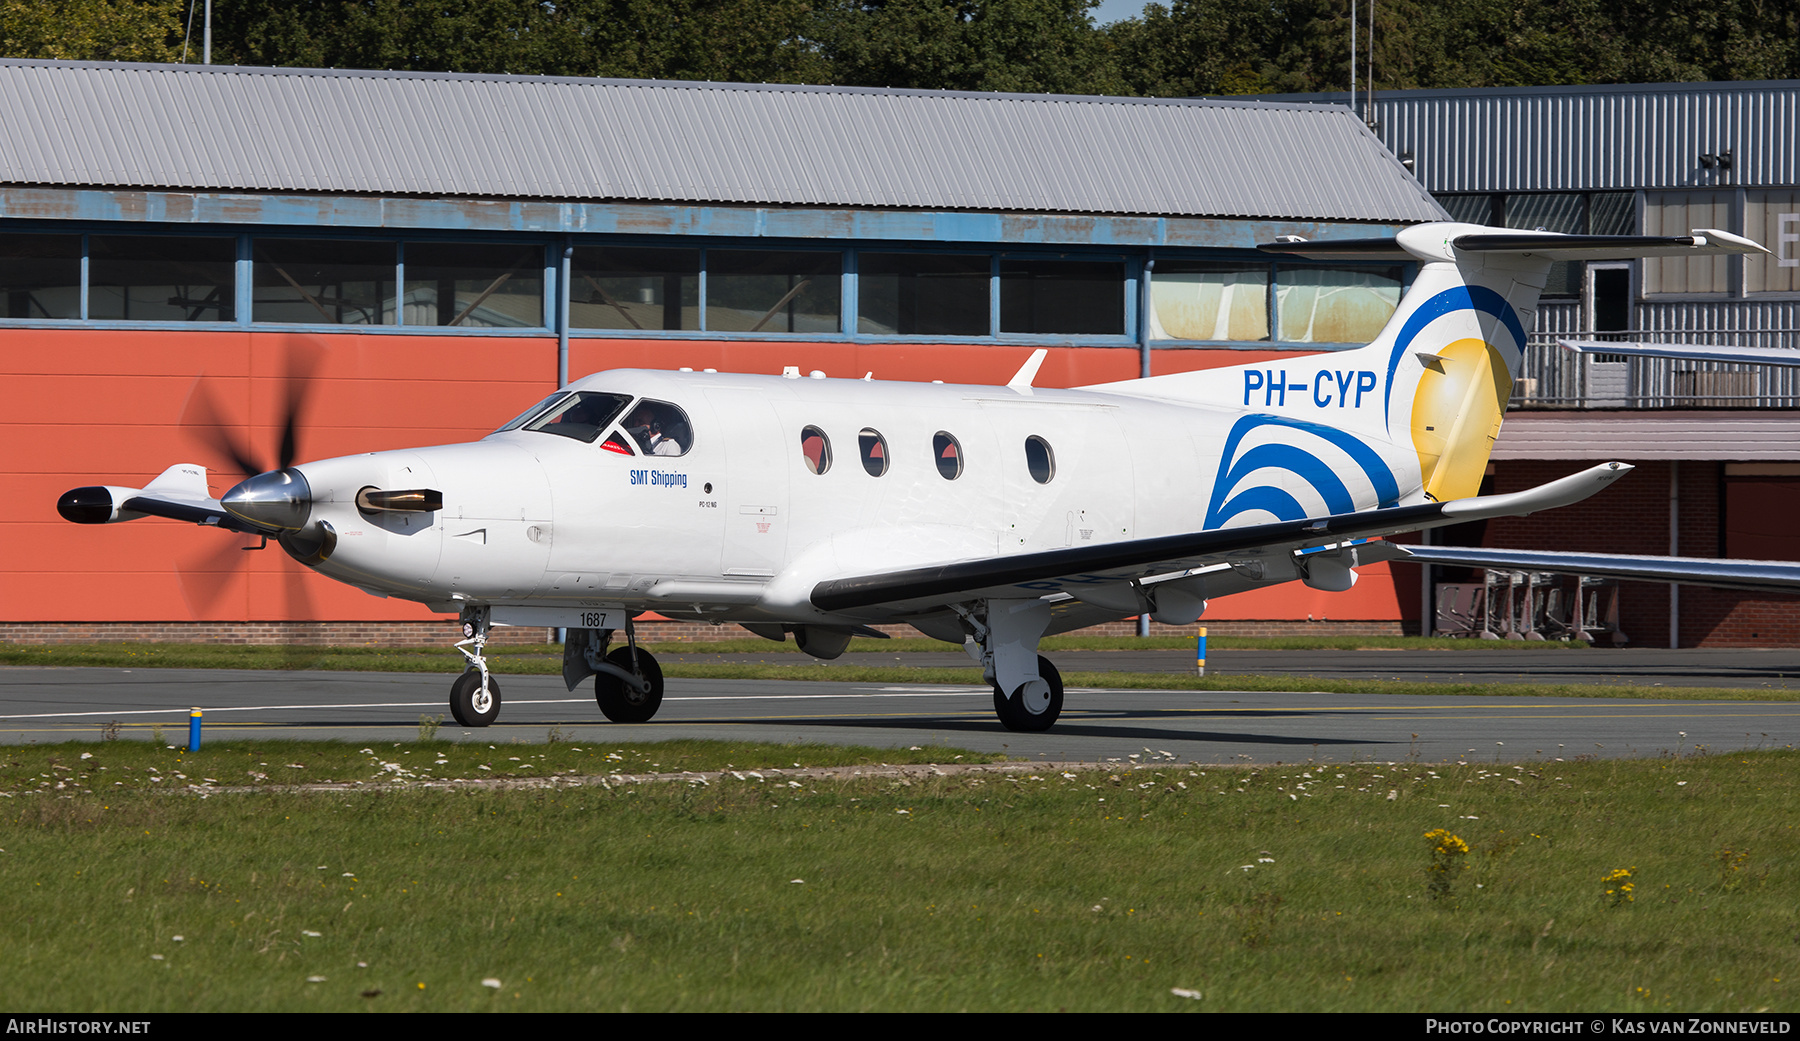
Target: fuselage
<point x="781" y="482"/>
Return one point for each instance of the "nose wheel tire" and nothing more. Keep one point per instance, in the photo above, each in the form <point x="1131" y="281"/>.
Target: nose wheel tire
<point x="469" y="704"/>
<point x="619" y="701"/>
<point x="1035" y="705"/>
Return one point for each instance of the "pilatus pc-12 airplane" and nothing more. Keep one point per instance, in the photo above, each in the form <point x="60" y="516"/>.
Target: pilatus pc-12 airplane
<point x="989" y="516"/>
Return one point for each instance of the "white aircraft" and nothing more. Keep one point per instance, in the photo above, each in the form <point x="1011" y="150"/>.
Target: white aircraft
<point x="988" y="516"/>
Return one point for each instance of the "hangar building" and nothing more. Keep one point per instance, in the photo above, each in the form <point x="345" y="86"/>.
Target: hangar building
<point x="1718" y="446"/>
<point x="427" y="254"/>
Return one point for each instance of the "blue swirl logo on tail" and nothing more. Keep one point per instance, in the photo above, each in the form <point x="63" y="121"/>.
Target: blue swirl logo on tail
<point x="1460" y="298"/>
<point x="1228" y="500"/>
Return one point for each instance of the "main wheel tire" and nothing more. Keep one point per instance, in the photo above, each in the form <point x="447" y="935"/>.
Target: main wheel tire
<point x="618" y="701"/>
<point x="1030" y="716"/>
<point x="468" y="705"/>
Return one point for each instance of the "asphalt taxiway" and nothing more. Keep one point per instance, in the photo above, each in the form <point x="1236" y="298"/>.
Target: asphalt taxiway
<point x="47" y="705"/>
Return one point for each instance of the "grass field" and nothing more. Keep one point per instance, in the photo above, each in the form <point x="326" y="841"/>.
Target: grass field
<point x="1264" y="888"/>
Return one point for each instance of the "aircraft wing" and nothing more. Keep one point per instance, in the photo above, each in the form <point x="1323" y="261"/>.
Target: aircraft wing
<point x="1686" y="351"/>
<point x="1030" y="575"/>
<point x="1759" y="576"/>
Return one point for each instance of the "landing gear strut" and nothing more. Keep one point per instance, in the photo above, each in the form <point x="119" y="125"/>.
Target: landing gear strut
<point x="1028" y="691"/>
<point x="475" y="696"/>
<point x="628" y="683"/>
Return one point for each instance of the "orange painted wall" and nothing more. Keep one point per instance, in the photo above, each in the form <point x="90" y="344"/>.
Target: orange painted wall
<point x="94" y="406"/>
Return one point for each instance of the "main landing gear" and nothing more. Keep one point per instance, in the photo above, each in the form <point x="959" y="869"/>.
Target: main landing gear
<point x="1028" y="691"/>
<point x="628" y="683"/>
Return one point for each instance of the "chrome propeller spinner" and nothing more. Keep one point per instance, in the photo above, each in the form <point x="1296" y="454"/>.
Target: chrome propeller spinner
<point x="279" y="504"/>
<point x="277" y="501"/>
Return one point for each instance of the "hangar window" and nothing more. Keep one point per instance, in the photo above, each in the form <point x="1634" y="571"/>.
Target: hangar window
<point x="1570" y="213"/>
<point x="773" y="291"/>
<point x="1195" y="300"/>
<point x="659" y="428"/>
<point x="581" y="415"/>
<point x="1318" y="304"/>
<point x="474" y="284"/>
<point x="334" y="281"/>
<point x="1070" y="297"/>
<point x="923" y="294"/>
<point x="630" y="288"/>
<point x="874" y="452"/>
<point x="40" y="275"/>
<point x="161" y="278"/>
<point x="948" y="453"/>
<point x="1039" y="460"/>
<point x="815" y="448"/>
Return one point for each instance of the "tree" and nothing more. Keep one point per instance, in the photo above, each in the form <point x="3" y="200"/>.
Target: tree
<point x="91" y="30"/>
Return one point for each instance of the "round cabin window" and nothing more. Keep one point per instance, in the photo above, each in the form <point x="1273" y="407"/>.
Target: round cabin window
<point x="948" y="454"/>
<point x="815" y="448"/>
<point x="1039" y="460"/>
<point x="874" y="452"/>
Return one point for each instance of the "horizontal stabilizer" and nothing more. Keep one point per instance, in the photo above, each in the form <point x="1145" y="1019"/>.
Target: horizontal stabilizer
<point x="1762" y="576"/>
<point x="1546" y="244"/>
<point x="1606" y="247"/>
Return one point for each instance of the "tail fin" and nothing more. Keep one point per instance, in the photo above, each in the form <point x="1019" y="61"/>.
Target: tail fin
<point x="1441" y="372"/>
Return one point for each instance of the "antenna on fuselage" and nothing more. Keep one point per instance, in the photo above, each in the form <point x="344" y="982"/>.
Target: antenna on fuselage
<point x="1027" y="372"/>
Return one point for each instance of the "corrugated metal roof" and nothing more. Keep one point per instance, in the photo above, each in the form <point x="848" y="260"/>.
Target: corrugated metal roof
<point x="387" y="133"/>
<point x="1591" y="137"/>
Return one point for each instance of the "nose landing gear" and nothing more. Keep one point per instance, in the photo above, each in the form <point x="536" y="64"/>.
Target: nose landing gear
<point x="475" y="696"/>
<point x="475" y="699"/>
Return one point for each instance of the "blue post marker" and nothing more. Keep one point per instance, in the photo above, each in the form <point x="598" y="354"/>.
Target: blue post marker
<point x="1199" y="653"/>
<point x="194" y="730"/>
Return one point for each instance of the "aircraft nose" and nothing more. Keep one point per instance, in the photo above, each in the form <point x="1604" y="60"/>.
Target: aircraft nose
<point x="279" y="500"/>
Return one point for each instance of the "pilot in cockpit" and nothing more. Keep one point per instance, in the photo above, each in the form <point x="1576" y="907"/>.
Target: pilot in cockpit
<point x="655" y="433"/>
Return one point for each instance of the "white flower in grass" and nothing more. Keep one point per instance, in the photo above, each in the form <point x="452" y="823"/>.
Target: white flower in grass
<point x="491" y="982"/>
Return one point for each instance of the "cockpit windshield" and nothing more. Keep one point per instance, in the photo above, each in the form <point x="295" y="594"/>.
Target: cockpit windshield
<point x="582" y="415"/>
<point x="519" y="420"/>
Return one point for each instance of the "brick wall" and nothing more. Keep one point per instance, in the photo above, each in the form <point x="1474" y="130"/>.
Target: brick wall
<point x="424" y="634"/>
<point x="1632" y="516"/>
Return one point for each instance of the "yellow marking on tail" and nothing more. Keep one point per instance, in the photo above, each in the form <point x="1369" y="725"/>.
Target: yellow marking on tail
<point x="1456" y="417"/>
